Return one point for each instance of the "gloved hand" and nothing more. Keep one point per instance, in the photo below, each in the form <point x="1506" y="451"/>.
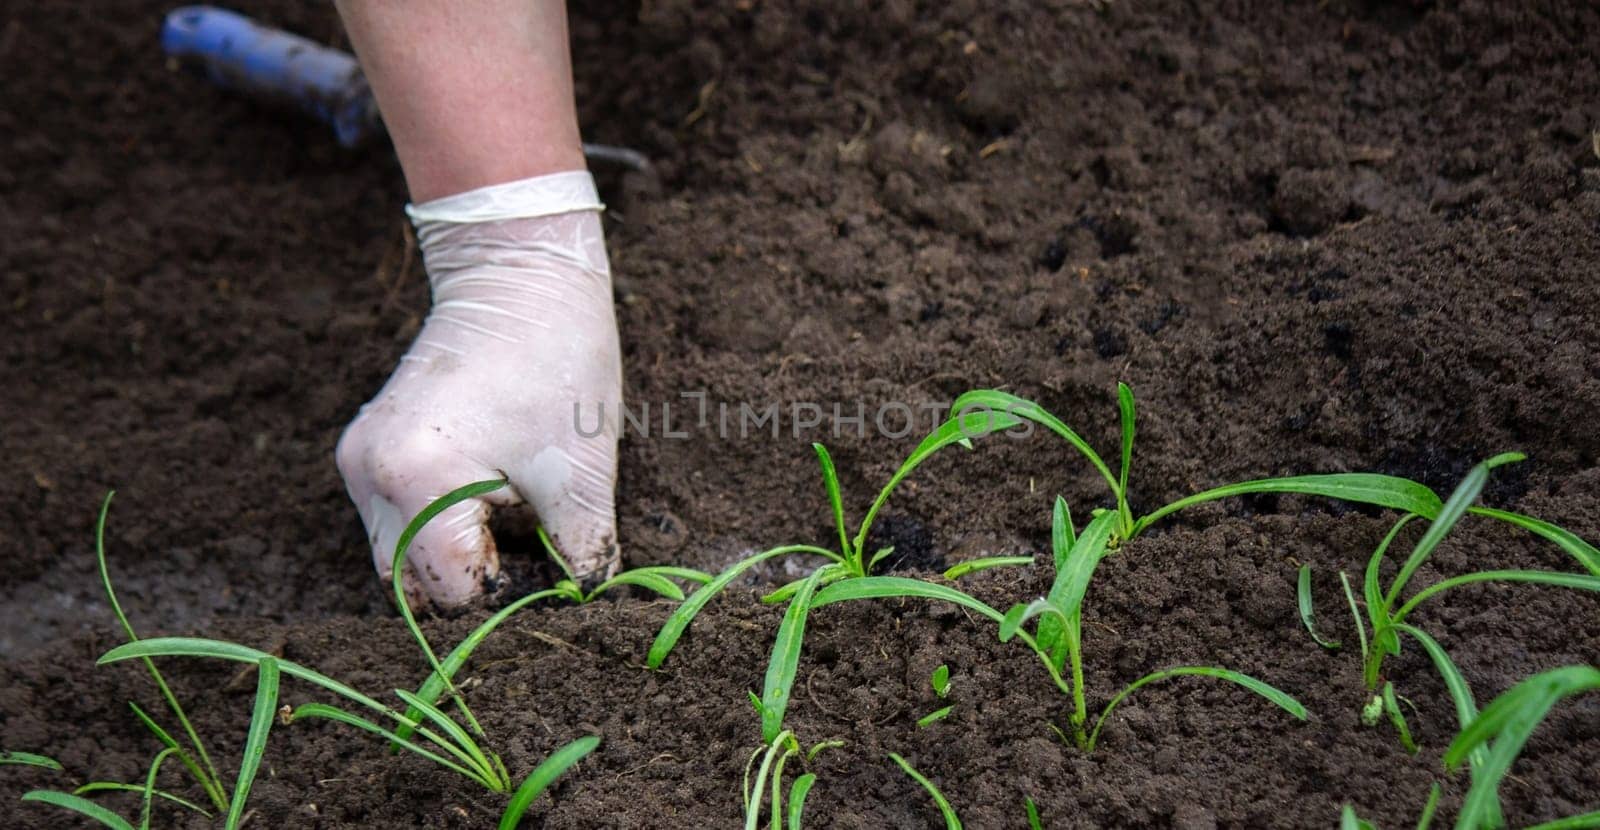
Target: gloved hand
<point x="522" y="337"/>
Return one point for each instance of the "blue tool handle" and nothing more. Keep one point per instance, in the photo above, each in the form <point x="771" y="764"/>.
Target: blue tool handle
<point x="241" y="54"/>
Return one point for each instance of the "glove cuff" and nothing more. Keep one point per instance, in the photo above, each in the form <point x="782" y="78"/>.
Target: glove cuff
<point x="547" y="195"/>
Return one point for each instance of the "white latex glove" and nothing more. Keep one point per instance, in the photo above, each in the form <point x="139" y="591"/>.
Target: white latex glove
<point x="521" y="335"/>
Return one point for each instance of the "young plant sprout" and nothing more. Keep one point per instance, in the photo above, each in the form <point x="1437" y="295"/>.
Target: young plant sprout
<point x="773" y="756"/>
<point x="1502" y="728"/>
<point x="426" y="729"/>
<point x="1059" y="633"/>
<point x="949" y="813"/>
<point x="194" y="757"/>
<point x="941" y="688"/>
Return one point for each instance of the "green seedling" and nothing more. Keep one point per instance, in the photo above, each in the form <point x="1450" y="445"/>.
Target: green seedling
<point x="940" y="681"/>
<point x="1059" y="633"/>
<point x="1503" y="727"/>
<point x="1308" y="614"/>
<point x="426" y="729"/>
<point x="440" y="680"/>
<point x="1386" y="611"/>
<point x="773" y="756"/>
<point x="193" y="755"/>
<point x="949" y="813"/>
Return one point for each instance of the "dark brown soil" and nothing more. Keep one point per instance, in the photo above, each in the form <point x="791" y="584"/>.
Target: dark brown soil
<point x="1336" y="236"/>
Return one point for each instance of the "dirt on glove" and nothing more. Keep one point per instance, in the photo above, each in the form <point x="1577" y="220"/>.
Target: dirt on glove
<point x="1322" y="237"/>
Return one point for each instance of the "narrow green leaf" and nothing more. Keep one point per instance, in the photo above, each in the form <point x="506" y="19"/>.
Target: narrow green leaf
<point x="543" y="776"/>
<point x="1377" y="610"/>
<point x="433" y="686"/>
<point x="1509" y="720"/>
<point x="1277" y="697"/>
<point x="1428" y="809"/>
<point x="1364" y="488"/>
<point x="397" y="578"/>
<point x="1126" y="409"/>
<point x="1062" y="534"/>
<point x="334" y="713"/>
<point x="940" y="680"/>
<point x="797" y="798"/>
<point x="255" y="742"/>
<point x="830" y="480"/>
<point x="148" y="791"/>
<point x="29" y="759"/>
<point x="974" y="415"/>
<point x="788" y="589"/>
<point x="785" y="659"/>
<point x="654" y="583"/>
<point x="1462" y="498"/>
<point x="883" y="587"/>
<point x="218" y="649"/>
<point x="950" y="820"/>
<point x="1072" y="580"/>
<point x="79" y="805"/>
<point x="1308" y="614"/>
<point x="882" y="554"/>
<point x="168" y="741"/>
<point x="672" y="630"/>
<point x="117" y="786"/>
<point x="1391" y="707"/>
<point x="1587" y="821"/>
<point x="752" y="813"/>
<point x="694" y="575"/>
<point x="972" y="566"/>
<point x="1585" y="553"/>
<point x="208" y="778"/>
<point x="1460" y="695"/>
<point x="934" y="716"/>
<point x="1554" y="578"/>
<point x="1355" y="613"/>
<point x="1033" y="814"/>
<point x="1019" y="615"/>
<point x="1348" y="820"/>
<point x="480" y="759"/>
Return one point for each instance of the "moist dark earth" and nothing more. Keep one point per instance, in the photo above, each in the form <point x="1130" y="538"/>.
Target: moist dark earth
<point x="1312" y="237"/>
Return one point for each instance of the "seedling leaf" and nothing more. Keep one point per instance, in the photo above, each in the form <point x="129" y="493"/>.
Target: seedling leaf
<point x="1062" y="534"/>
<point x="1282" y="700"/>
<point x="255" y="742"/>
<point x="797" y="798"/>
<point x="972" y="566"/>
<point x="785" y="660"/>
<point x="1127" y="412"/>
<point x="940" y="680"/>
<point x="432" y="687"/>
<point x="830" y="479"/>
<point x="148" y="791"/>
<point x="950" y="820"/>
<point x="1308" y="614"/>
<point x="641" y="579"/>
<point x="1462" y="498"/>
<point x="1554" y="578"/>
<point x="1072" y="580"/>
<point x="1580" y="550"/>
<point x="934" y="716"/>
<point x="397" y="578"/>
<point x="1391" y="707"/>
<point x="117" y="786"/>
<point x="881" y="587"/>
<point x="1033" y="814"/>
<point x="334" y="713"/>
<point x="1509" y="720"/>
<point x="1365" y="488"/>
<point x="684" y="614"/>
<point x="543" y="776"/>
<point x="79" y="805"/>
<point x="29" y="759"/>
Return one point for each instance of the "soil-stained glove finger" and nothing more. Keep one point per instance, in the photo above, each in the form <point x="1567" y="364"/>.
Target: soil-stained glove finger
<point x="453" y="558"/>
